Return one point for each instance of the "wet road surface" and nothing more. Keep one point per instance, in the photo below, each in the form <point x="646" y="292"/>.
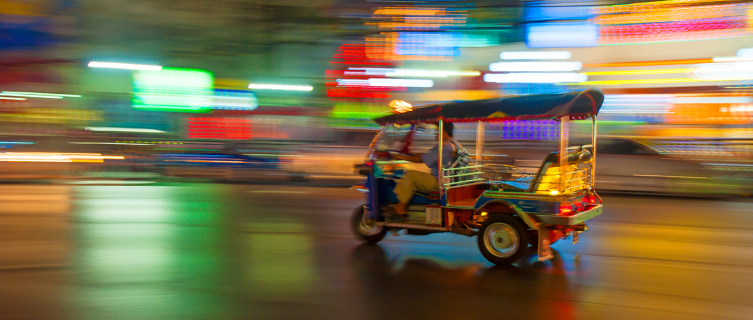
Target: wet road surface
<point x="199" y="251"/>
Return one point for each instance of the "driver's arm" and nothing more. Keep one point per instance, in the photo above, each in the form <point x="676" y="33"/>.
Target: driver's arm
<point x="415" y="158"/>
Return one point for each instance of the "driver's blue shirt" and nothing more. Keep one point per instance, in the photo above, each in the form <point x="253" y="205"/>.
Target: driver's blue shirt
<point x="431" y="157"/>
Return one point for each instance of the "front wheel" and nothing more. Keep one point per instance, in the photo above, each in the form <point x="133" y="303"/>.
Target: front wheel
<point x="366" y="230"/>
<point x="502" y="239"/>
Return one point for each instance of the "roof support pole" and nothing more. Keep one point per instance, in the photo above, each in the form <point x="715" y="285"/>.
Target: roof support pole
<point x="440" y="162"/>
<point x="480" y="142"/>
<point x="593" y="156"/>
<point x="564" y="140"/>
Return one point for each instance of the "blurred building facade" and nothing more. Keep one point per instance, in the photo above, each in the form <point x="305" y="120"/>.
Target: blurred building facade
<point x="660" y="63"/>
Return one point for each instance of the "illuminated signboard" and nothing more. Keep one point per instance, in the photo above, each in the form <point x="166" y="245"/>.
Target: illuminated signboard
<point x="178" y="90"/>
<point x="234" y="100"/>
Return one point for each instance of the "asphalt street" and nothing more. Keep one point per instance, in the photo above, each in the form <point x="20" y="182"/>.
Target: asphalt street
<point x="224" y="251"/>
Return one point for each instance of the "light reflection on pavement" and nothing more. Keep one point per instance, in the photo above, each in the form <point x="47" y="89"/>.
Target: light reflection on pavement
<point x="186" y="251"/>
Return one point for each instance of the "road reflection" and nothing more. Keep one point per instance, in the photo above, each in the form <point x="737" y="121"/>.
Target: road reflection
<point x="152" y="252"/>
<point x="532" y="289"/>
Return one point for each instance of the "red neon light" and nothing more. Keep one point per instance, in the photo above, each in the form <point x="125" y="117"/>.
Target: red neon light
<point x="219" y="128"/>
<point x="671" y="27"/>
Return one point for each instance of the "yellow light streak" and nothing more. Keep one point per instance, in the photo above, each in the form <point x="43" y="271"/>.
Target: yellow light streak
<point x="617" y="73"/>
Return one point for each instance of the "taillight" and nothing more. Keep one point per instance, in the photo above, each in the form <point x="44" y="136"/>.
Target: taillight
<point x="591" y="198"/>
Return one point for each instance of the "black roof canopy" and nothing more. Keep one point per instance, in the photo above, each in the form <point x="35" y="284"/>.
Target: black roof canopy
<point x="576" y="104"/>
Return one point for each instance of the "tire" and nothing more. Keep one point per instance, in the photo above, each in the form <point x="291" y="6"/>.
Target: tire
<point x="365" y="232"/>
<point x="502" y="239"/>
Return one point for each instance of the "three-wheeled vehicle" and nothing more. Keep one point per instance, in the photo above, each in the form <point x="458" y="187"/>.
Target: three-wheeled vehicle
<point x="507" y="209"/>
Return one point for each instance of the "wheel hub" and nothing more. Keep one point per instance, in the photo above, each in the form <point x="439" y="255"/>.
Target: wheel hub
<point x="368" y="227"/>
<point x="501" y="239"/>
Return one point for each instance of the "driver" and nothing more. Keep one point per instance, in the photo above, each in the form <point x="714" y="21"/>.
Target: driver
<point x="416" y="181"/>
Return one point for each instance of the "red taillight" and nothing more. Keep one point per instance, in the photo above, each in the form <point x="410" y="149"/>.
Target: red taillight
<point x="564" y="209"/>
<point x="592" y="198"/>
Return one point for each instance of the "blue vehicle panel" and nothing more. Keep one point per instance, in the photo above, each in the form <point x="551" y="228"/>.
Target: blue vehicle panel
<point x="526" y="205"/>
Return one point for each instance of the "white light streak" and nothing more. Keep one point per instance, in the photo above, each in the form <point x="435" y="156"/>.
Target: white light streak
<point x="279" y="87"/>
<point x="353" y="82"/>
<point x="126" y="66"/>
<point x="384" y="82"/>
<point x="634" y="111"/>
<point x="535" y="77"/>
<point x="410" y="83"/>
<point x="723" y="71"/>
<point x="535" y="55"/>
<point x="732" y="59"/>
<point x="38" y="95"/>
<point x="393" y="72"/>
<point x="11" y="98"/>
<point x="115" y="143"/>
<point x="55" y="157"/>
<point x="535" y="66"/>
<point x="431" y="73"/>
<point x="113" y="129"/>
<point x="745" y="52"/>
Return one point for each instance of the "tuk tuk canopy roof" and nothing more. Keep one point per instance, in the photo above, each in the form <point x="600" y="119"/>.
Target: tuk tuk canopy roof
<point x="576" y="104"/>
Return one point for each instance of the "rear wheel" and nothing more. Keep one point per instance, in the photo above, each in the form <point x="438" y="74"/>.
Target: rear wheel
<point x="366" y="230"/>
<point x="502" y="239"/>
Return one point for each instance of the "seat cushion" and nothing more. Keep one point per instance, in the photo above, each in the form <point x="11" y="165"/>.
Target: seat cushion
<point x="426" y="198"/>
<point x="430" y="195"/>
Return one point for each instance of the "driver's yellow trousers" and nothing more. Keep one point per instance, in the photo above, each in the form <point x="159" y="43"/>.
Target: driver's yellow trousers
<point x="412" y="182"/>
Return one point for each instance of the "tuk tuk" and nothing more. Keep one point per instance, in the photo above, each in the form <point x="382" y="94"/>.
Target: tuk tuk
<point x="506" y="208"/>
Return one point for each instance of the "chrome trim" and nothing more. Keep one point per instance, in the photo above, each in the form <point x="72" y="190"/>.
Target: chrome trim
<point x="532" y="196"/>
<point x="470" y="184"/>
<point x="578" y="218"/>
<point x="459" y="207"/>
<point x="466" y="167"/>
<point x="479" y="142"/>
<point x="466" y="181"/>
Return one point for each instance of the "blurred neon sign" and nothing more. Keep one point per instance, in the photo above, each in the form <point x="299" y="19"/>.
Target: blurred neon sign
<point x="234" y="100"/>
<point x="179" y="90"/>
<point x="561" y="35"/>
<point x="219" y="128"/>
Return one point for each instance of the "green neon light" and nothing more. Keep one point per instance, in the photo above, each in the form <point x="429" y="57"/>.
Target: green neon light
<point x="173" y="90"/>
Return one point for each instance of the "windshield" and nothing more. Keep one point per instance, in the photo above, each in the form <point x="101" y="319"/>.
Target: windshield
<point x="396" y="136"/>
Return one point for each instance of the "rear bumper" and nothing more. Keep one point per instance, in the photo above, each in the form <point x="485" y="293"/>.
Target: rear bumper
<point x="570" y="220"/>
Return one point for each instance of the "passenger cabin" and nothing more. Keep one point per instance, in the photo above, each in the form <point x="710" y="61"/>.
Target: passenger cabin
<point x="463" y="184"/>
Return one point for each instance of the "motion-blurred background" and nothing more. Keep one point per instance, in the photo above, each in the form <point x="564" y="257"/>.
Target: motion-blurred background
<point x="255" y="91"/>
<point x="169" y="159"/>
